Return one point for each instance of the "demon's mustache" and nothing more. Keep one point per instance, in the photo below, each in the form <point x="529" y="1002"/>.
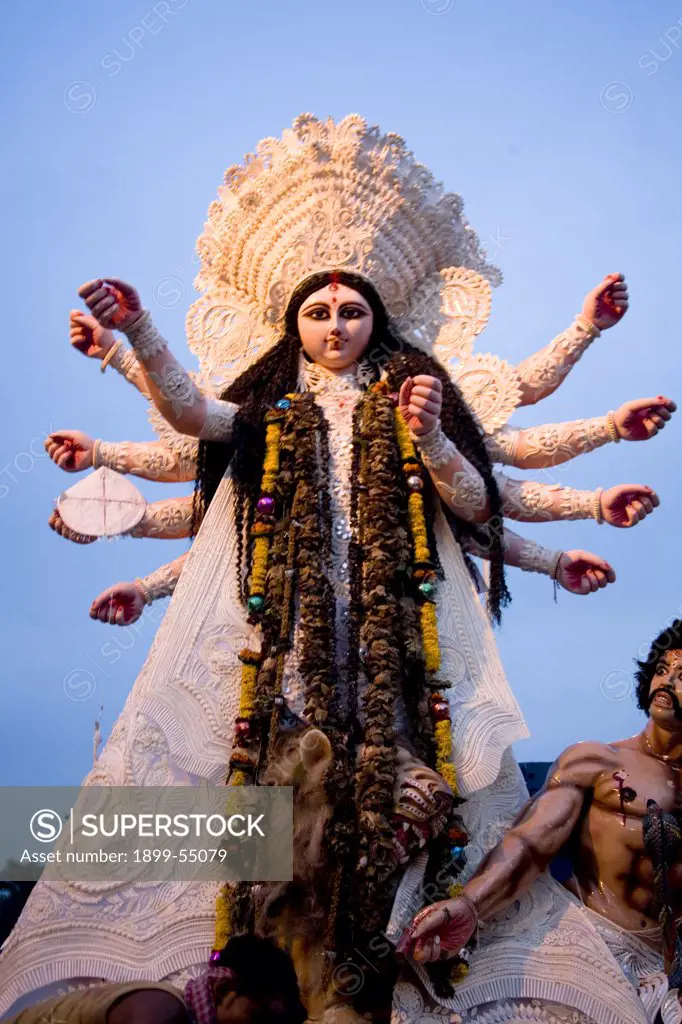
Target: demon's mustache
<point x="677" y="707"/>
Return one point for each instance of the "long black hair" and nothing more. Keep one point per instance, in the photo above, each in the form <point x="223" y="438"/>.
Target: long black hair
<point x="276" y="373"/>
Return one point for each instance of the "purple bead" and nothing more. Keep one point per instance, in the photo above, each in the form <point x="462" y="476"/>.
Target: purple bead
<point x="266" y="506"/>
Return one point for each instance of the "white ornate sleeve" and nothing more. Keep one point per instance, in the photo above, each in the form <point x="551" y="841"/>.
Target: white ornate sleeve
<point x="163" y="581"/>
<point x="125" y="362"/>
<point x="543" y="372"/>
<point x="458" y="483"/>
<point x="551" y="444"/>
<point x="169" y="519"/>
<point x="150" y="460"/>
<point x="532" y="502"/>
<point x="173" y="391"/>
<point x="519" y="552"/>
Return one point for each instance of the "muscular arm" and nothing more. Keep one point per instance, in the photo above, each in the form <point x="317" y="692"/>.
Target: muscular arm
<point x="542" y="373"/>
<point x="507" y="872"/>
<point x="150" y="460"/>
<point x="551" y="444"/>
<point x="540" y="831"/>
<point x="173" y="391"/>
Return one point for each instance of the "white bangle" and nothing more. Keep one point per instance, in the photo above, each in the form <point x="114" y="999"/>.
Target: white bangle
<point x="144" y="336"/>
<point x="110" y="355"/>
<point x="435" y="448"/>
<point x="142" y="587"/>
<point x="612" y="428"/>
<point x="588" y="326"/>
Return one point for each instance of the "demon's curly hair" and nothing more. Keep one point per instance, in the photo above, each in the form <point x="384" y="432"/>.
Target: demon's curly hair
<point x="669" y="640"/>
<point x="276" y="373"/>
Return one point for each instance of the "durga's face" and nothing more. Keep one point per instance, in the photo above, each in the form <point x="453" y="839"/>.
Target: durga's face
<point x="335" y="325"/>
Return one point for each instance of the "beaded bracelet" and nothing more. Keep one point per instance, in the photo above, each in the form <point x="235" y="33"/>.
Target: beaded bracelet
<point x="612" y="428"/>
<point x="596" y="506"/>
<point x="588" y="326"/>
<point x="144" y="590"/>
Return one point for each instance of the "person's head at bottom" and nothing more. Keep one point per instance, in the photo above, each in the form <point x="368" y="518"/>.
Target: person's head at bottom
<point x="261" y="986"/>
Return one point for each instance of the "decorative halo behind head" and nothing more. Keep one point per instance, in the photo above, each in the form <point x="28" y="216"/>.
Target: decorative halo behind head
<point x="339" y="197"/>
<point x="330" y="196"/>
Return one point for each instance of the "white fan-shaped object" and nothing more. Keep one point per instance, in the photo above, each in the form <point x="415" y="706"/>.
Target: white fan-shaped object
<point x="490" y="387"/>
<point x="103" y="504"/>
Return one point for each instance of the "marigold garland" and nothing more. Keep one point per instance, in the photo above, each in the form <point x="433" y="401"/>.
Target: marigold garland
<point x="395" y="624"/>
<point x="238" y="777"/>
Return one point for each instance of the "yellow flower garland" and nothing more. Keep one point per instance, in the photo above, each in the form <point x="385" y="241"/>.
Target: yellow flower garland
<point x="429" y="627"/>
<point x="428" y="616"/>
<point x="261" y="535"/>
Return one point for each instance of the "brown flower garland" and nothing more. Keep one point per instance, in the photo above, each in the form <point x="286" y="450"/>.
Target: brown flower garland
<point x="392" y="624"/>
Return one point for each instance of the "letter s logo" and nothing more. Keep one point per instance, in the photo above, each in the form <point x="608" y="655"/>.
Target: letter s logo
<point x="46" y="826"/>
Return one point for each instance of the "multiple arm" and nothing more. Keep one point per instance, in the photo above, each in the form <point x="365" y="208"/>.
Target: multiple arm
<point x="74" y="451"/>
<point x="463" y="490"/>
<point x="125" y="362"/>
<point x="176" y="396"/>
<point x="150" y="460"/>
<point x="579" y="572"/>
<point x="551" y="444"/>
<point x="542" y="373"/>
<point x="554" y="443"/>
<point x="170" y="519"/>
<point x="124" y="603"/>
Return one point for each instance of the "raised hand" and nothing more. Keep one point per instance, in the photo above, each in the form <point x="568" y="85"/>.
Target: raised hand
<point x="420" y="402"/>
<point x="56" y="523"/>
<point x="119" y="605"/>
<point x="439" y="931"/>
<point x="627" y="504"/>
<point x="71" y="450"/>
<point x="607" y="303"/>
<point x="112" y="302"/>
<point x="581" y="572"/>
<point x="643" y="417"/>
<point x="88" y="336"/>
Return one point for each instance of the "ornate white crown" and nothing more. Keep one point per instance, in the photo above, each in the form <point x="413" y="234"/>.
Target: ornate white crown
<point x="330" y="196"/>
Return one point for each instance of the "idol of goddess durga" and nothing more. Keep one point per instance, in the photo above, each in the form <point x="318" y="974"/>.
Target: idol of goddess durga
<point x="325" y="629"/>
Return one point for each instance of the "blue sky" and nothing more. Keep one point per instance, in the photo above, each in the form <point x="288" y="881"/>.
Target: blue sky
<point x="559" y="125"/>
